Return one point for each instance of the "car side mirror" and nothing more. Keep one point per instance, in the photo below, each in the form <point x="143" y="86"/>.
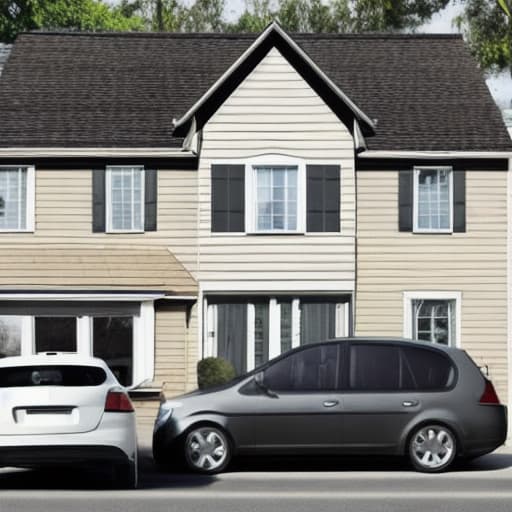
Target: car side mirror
<point x="259" y="380"/>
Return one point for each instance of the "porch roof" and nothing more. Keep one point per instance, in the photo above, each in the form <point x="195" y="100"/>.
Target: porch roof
<point x="105" y="268"/>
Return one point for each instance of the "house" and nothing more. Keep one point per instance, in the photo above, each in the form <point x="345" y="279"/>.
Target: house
<point x="175" y="196"/>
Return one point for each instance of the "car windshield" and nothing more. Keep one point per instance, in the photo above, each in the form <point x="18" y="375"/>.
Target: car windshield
<point x="51" y="375"/>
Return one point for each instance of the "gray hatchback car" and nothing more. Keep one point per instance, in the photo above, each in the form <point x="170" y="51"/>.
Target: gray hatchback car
<point x="345" y="396"/>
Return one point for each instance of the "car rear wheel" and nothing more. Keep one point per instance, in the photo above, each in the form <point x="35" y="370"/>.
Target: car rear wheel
<point x="432" y="448"/>
<point x="207" y="450"/>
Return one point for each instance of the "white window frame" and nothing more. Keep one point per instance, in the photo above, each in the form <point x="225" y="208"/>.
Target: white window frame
<point x="30" y="199"/>
<point x="143" y="339"/>
<point x="417" y="170"/>
<point x="251" y="221"/>
<point x="108" y="198"/>
<point x="408" y="313"/>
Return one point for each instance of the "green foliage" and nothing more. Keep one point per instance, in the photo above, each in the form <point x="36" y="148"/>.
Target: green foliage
<point x="337" y="15"/>
<point x="506" y="9"/>
<point x="214" y="371"/>
<point x="87" y="15"/>
<point x="488" y="30"/>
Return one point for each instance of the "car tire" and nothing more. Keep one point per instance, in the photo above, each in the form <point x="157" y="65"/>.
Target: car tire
<point x="125" y="475"/>
<point x="207" y="450"/>
<point x="432" y="448"/>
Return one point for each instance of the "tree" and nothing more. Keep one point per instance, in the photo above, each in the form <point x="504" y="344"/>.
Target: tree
<point x="21" y="15"/>
<point x="338" y="15"/>
<point x="487" y="27"/>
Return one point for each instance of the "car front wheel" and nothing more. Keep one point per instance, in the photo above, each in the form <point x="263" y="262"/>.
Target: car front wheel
<point x="432" y="448"/>
<point x="207" y="450"/>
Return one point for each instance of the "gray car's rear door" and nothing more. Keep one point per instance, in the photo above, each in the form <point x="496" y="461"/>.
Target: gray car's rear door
<point x="380" y="399"/>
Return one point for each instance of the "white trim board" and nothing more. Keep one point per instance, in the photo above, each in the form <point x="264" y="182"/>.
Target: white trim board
<point x="434" y="154"/>
<point x="284" y="287"/>
<point x="122" y="297"/>
<point x="30" y="152"/>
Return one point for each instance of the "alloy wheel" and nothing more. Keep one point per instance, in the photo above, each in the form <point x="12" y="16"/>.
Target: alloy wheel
<point x="207" y="450"/>
<point x="432" y="448"/>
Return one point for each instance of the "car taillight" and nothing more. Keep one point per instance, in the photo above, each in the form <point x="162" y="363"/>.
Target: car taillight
<point x="118" y="401"/>
<point x="489" y="395"/>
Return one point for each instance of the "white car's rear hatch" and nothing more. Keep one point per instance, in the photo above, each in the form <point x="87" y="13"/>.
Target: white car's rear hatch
<point x="56" y="399"/>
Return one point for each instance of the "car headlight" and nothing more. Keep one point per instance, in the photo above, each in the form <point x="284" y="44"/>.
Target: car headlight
<point x="164" y="413"/>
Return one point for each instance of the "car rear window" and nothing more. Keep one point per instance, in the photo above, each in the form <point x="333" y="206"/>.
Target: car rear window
<point x="51" y="375"/>
<point x="384" y="367"/>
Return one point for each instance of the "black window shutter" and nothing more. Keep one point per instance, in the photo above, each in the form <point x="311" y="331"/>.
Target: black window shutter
<point x="228" y="198"/>
<point x="405" y="200"/>
<point x="323" y="198"/>
<point x="98" y="200"/>
<point x="459" y="201"/>
<point x="150" y="199"/>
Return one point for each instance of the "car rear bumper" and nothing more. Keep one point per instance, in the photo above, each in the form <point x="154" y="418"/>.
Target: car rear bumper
<point x="115" y="435"/>
<point x="35" y="456"/>
<point x="491" y="426"/>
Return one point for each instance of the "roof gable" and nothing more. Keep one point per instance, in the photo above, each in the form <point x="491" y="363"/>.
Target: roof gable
<point x="274" y="37"/>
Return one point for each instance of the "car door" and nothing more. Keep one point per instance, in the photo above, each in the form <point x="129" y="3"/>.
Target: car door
<point x="297" y="405"/>
<point x="381" y="396"/>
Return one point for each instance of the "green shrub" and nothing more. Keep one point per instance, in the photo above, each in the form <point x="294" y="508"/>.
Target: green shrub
<point x="214" y="371"/>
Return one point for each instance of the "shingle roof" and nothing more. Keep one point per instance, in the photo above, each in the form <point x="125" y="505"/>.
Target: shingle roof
<point x="92" y="267"/>
<point x="124" y="90"/>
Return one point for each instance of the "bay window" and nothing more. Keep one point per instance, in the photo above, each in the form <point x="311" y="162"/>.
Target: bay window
<point x="120" y="333"/>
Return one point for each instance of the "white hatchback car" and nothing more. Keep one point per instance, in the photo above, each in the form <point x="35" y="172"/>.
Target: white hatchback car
<point x="66" y="409"/>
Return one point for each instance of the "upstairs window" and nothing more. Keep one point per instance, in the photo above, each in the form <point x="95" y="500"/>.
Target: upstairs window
<point x="16" y="198"/>
<point x="433" y="199"/>
<point x="275" y="195"/>
<point x="276" y="198"/>
<point x="125" y="199"/>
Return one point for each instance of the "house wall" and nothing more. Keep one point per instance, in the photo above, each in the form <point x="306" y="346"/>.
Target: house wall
<point x="274" y="111"/>
<point x="63" y="210"/>
<point x="473" y="263"/>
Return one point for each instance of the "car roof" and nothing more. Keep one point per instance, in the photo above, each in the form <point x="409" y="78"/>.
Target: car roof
<point x="53" y="358"/>
<point x="393" y="340"/>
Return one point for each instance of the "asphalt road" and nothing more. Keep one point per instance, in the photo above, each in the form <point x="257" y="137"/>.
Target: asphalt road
<point x="273" y="485"/>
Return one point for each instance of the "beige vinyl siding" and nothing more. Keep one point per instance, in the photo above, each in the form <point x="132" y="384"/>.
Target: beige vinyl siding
<point x="474" y="263"/>
<point x="274" y="111"/>
<point x="63" y="211"/>
<point x="173" y="336"/>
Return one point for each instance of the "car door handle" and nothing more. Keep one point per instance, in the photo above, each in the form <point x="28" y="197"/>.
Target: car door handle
<point x="330" y="403"/>
<point x="410" y="403"/>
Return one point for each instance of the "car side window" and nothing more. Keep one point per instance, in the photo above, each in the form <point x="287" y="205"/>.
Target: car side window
<point x="431" y="370"/>
<point x="312" y="369"/>
<point x="377" y="368"/>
